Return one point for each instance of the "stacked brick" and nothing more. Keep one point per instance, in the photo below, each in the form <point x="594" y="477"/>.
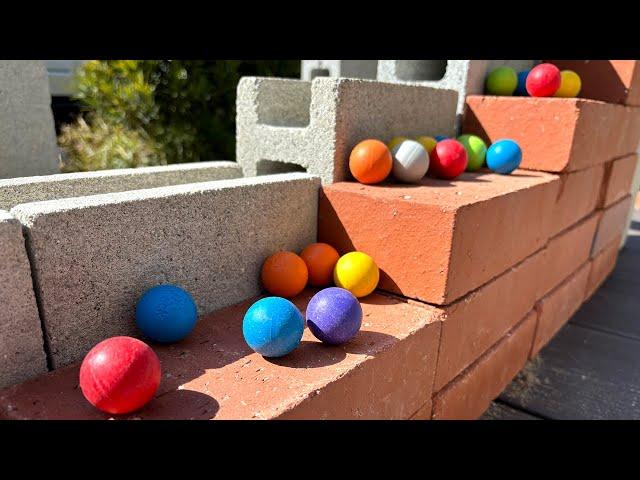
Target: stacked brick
<point x="509" y="261"/>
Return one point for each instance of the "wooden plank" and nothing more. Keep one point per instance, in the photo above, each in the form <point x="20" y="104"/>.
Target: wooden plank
<point x="581" y="374"/>
<point x="611" y="311"/>
<point x="614" y="306"/>
<point x="500" y="411"/>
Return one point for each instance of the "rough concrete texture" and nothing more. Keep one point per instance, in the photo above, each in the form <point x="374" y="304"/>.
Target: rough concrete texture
<point x="438" y="240"/>
<point x="23" y="82"/>
<point x="566" y="252"/>
<point x="94" y="256"/>
<point x="556" y="134"/>
<point x="557" y="307"/>
<point x="27" y="134"/>
<point x="466" y="77"/>
<point x="612" y="81"/>
<point x="601" y="267"/>
<point x="618" y="180"/>
<point x="385" y="372"/>
<point x="477" y="321"/>
<point x="470" y="394"/>
<point x="64" y="185"/>
<point x="613" y="221"/>
<point x="296" y="125"/>
<point x="311" y="69"/>
<point x="21" y="343"/>
<point x="578" y="196"/>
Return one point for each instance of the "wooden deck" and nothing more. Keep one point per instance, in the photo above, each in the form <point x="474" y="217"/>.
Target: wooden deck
<point x="591" y="369"/>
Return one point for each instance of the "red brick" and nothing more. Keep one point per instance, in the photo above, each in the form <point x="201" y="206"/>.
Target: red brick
<point x="602" y="265"/>
<point x="477" y="321"/>
<point x="613" y="221"/>
<point x="386" y="371"/>
<point x="617" y="180"/>
<point x="424" y="412"/>
<point x="566" y="252"/>
<point x="556" y="134"/>
<point x="612" y="81"/>
<point x="557" y="307"/>
<point x="578" y="196"/>
<point x="441" y="239"/>
<point x="471" y="393"/>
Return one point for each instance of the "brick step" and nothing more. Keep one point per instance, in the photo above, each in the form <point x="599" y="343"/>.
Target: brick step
<point x="469" y="395"/>
<point x="556" y="134"/>
<point x="613" y="81"/>
<point x="439" y="240"/>
<point x="386" y="371"/>
<point x="613" y="221"/>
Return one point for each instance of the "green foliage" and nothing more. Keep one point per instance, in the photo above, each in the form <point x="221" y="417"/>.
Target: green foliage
<point x="184" y="109"/>
<point x="102" y="146"/>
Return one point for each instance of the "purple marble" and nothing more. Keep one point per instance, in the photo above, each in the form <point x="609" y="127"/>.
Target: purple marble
<point x="334" y="315"/>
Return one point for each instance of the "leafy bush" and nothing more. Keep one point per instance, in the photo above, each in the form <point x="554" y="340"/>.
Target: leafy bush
<point x="105" y="146"/>
<point x="181" y="109"/>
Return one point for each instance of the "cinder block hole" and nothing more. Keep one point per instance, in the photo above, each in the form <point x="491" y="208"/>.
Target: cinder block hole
<point x="270" y="167"/>
<point x="421" y="70"/>
<point x="319" y="72"/>
<point x="284" y="104"/>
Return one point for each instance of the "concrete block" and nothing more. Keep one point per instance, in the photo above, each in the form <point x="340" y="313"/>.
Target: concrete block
<point x="556" y="134"/>
<point x="94" y="256"/>
<point x="311" y="69"/>
<point x="612" y="224"/>
<point x="24" y="82"/>
<point x="617" y="180"/>
<point x="578" y="196"/>
<point x="611" y="81"/>
<point x="470" y="394"/>
<point x="296" y="125"/>
<point x="21" y="343"/>
<point x="601" y="267"/>
<point x="556" y="308"/>
<point x="64" y="185"/>
<point x="464" y="76"/>
<point x="27" y="141"/>
<point x="384" y="372"/>
<point x="437" y="241"/>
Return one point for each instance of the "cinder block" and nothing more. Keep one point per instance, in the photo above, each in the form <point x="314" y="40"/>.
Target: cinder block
<point x="21" y="342"/>
<point x="566" y="252"/>
<point x="24" y="82"/>
<point x="466" y="77"/>
<point x="613" y="221"/>
<point x="27" y="141"/>
<point x="311" y="69"/>
<point x="601" y="267"/>
<point x="297" y="125"/>
<point x="617" y="180"/>
<point x="384" y="372"/>
<point x="473" y="324"/>
<point x="612" y="81"/>
<point x="556" y="134"/>
<point x="470" y="394"/>
<point x="64" y="185"/>
<point x="437" y="241"/>
<point x="556" y="308"/>
<point x="94" y="256"/>
<point x="578" y="196"/>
